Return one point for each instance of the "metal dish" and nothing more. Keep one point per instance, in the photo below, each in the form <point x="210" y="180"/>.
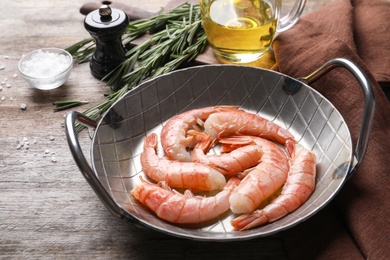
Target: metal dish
<point x="311" y="118"/>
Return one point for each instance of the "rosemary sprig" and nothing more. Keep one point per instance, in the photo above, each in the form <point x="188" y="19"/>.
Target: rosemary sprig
<point x="82" y="51"/>
<point x="156" y="23"/>
<point x="176" y="37"/>
<point x="179" y="41"/>
<point x="65" y="104"/>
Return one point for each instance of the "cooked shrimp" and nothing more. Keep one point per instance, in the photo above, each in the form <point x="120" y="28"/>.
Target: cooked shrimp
<point x="175" y="207"/>
<point x="230" y="163"/>
<point x="174" y="139"/>
<point x="262" y="180"/>
<point x="298" y="188"/>
<point x="240" y="122"/>
<point x="176" y="174"/>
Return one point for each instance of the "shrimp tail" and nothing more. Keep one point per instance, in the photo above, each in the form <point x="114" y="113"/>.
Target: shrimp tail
<point x="205" y="142"/>
<point x="247" y="221"/>
<point x="202" y="147"/>
<point x="150" y="141"/>
<point x="231" y="143"/>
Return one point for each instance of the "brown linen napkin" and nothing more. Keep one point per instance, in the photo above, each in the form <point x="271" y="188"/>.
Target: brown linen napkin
<point x="357" y="223"/>
<point x="372" y="36"/>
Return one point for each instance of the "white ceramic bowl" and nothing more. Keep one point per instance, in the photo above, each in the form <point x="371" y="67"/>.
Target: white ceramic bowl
<point x="46" y="68"/>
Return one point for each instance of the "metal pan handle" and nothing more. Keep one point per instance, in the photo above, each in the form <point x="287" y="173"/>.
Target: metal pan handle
<point x="85" y="168"/>
<point x="369" y="101"/>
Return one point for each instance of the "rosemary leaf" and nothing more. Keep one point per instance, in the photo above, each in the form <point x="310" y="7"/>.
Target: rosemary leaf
<point x="65" y="104"/>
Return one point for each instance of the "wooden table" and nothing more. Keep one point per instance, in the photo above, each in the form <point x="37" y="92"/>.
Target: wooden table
<point x="47" y="209"/>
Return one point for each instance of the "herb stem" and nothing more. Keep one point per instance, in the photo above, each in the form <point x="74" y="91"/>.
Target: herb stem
<point x="65" y="104"/>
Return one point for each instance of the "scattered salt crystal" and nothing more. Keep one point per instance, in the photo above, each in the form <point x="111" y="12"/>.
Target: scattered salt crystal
<point x="47" y="151"/>
<point x="23" y="144"/>
<point x="53" y="159"/>
<point x="3" y="98"/>
<point x="45" y="64"/>
<point x="51" y="138"/>
<point x="8" y="85"/>
<point x="23" y="106"/>
<point x="2" y="66"/>
<point x="11" y="98"/>
<point x="15" y="75"/>
<point x="6" y="57"/>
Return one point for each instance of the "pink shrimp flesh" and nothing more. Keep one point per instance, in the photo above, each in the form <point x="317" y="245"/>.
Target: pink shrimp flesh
<point x="230" y="163"/>
<point x="298" y="188"/>
<point x="174" y="139"/>
<point x="262" y="180"/>
<point x="186" y="208"/>
<point x="240" y="122"/>
<point x="177" y="174"/>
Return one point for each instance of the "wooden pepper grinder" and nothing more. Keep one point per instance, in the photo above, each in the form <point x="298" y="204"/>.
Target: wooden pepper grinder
<point x="106" y="26"/>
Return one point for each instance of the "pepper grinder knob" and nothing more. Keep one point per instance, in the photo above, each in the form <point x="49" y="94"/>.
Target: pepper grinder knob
<point x="106" y="25"/>
<point x="105" y="11"/>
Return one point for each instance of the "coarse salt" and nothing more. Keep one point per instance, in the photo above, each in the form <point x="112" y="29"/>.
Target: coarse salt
<point x="23" y="106"/>
<point x="45" y="64"/>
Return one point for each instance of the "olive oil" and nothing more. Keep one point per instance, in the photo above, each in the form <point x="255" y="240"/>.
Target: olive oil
<point x="239" y="31"/>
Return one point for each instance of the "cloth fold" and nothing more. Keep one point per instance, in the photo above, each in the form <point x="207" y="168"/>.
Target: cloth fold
<point x="372" y="37"/>
<point x="356" y="224"/>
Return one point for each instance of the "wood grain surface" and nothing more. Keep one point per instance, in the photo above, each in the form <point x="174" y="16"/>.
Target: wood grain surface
<point x="47" y="209"/>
